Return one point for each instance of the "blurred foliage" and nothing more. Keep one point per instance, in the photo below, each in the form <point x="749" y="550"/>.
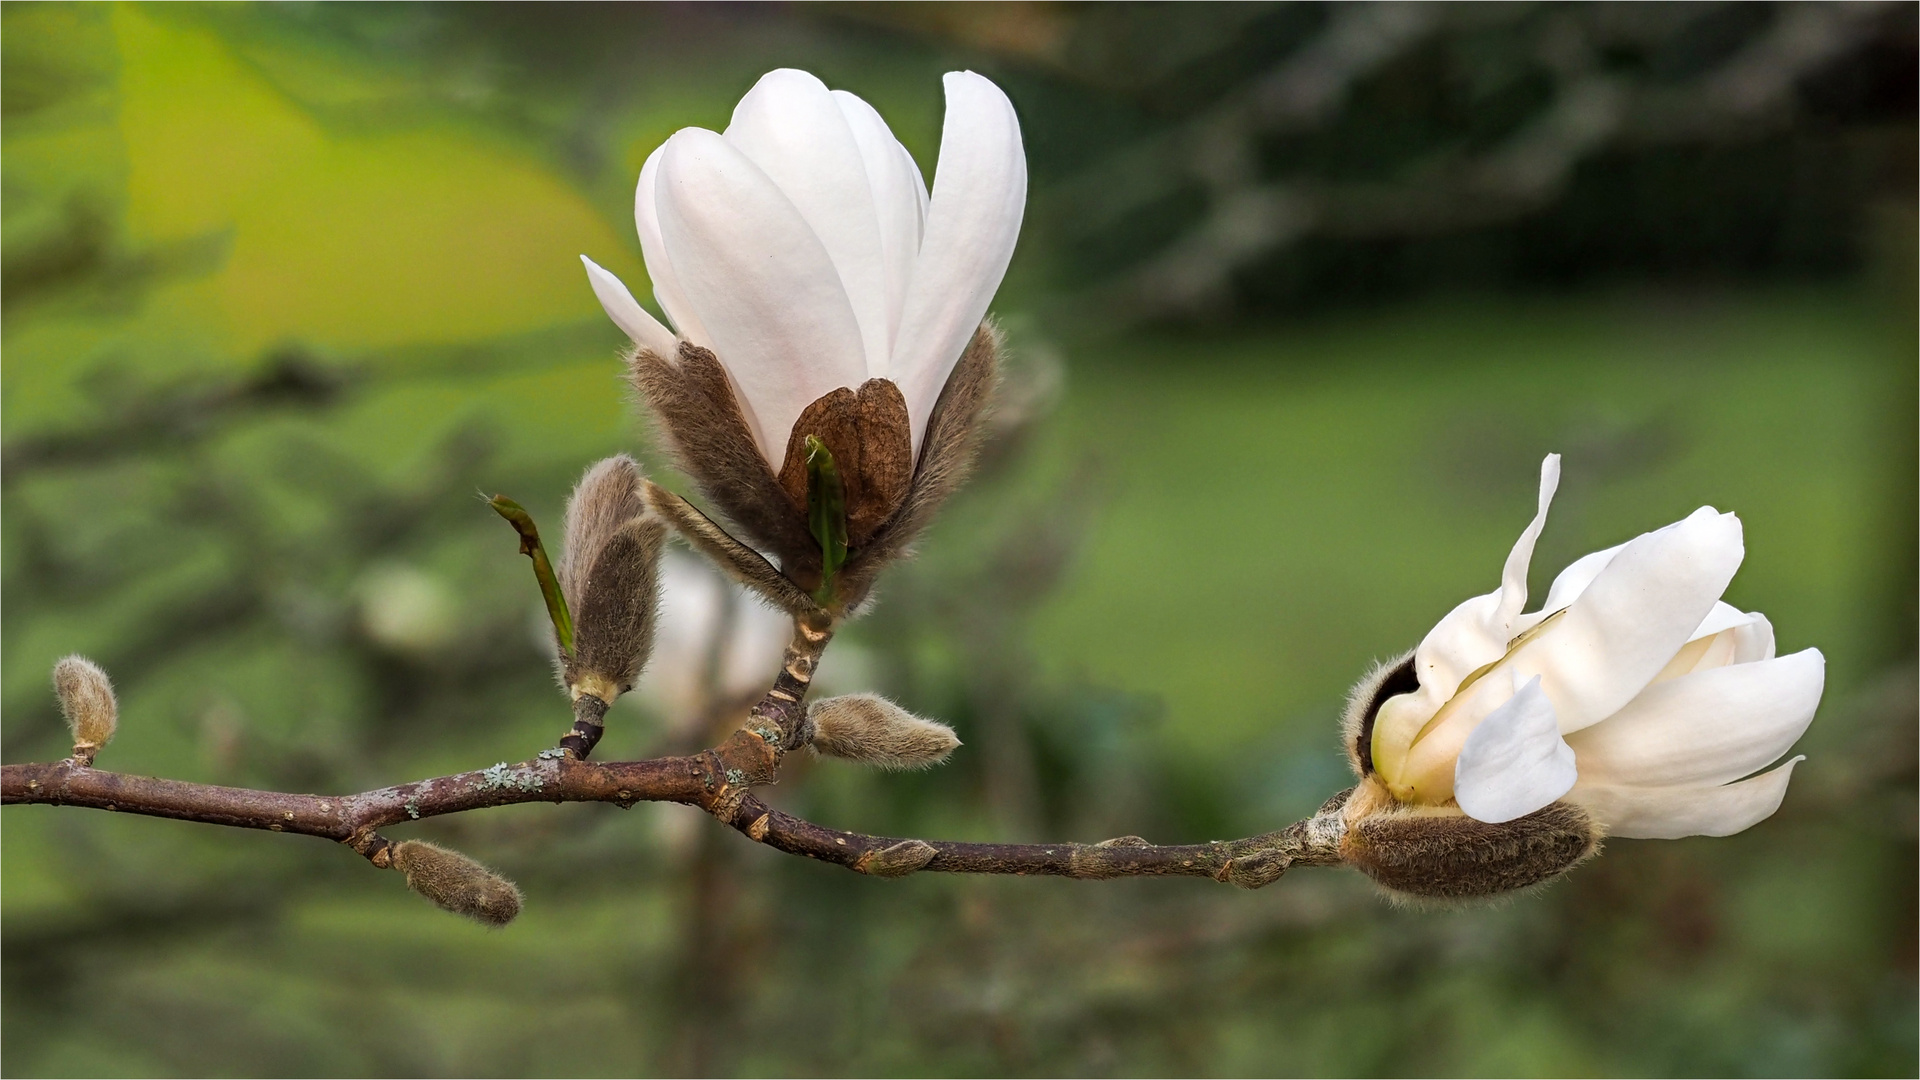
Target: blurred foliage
<point x="285" y="285"/>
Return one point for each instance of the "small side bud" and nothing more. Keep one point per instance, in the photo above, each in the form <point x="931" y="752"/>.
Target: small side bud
<point x="1260" y="869"/>
<point x="899" y="860"/>
<point x="456" y="882"/>
<point x="86" y="699"/>
<point x="872" y="730"/>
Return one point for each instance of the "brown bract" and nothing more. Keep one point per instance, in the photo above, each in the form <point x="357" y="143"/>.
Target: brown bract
<point x="867" y="432"/>
<point x="1439" y="853"/>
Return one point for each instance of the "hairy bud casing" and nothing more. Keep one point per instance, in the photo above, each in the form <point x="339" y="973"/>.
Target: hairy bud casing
<point x="1439" y="853"/>
<point x="613" y="632"/>
<point x="457" y="883"/>
<point x="896" y="491"/>
<point x="87" y="701"/>
<point x="874" y="731"/>
<point x="609" y="572"/>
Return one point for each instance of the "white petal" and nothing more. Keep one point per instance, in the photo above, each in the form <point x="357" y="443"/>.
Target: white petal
<point x="1753" y="641"/>
<point x="760" y="282"/>
<point x="1570" y="583"/>
<point x="1515" y="762"/>
<point x="790" y="125"/>
<point x="666" y="283"/>
<point x="1637" y="613"/>
<point x="897" y="194"/>
<point x="979" y="197"/>
<point x="626" y="312"/>
<point x="1468" y="638"/>
<point x="1706" y="728"/>
<point x="1672" y="812"/>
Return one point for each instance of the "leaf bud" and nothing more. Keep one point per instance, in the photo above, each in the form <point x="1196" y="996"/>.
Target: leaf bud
<point x="86" y="699"/>
<point x="899" y="860"/>
<point x="457" y="883"/>
<point x="874" y="731"/>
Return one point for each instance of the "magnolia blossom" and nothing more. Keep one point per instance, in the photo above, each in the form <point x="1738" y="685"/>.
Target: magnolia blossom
<point x="801" y="247"/>
<point x="1634" y="692"/>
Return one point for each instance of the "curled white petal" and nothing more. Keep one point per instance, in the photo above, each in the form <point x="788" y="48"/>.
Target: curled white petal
<point x="791" y="126"/>
<point x="973" y="221"/>
<point x="760" y="282"/>
<point x="1471" y="636"/>
<point x="1668" y="813"/>
<point x="626" y="312"/>
<point x="1515" y="762"/>
<point x="1705" y="728"/>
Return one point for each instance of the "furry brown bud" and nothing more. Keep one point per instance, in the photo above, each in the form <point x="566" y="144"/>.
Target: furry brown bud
<point x="613" y="630"/>
<point x="609" y="572"/>
<point x="872" y="730"/>
<point x="606" y="498"/>
<point x="1439" y="853"/>
<point x="457" y="883"/>
<point x="86" y="699"/>
<point x="898" y="860"/>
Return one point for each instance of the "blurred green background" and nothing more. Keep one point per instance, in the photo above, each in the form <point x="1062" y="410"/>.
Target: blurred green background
<point x="1304" y="294"/>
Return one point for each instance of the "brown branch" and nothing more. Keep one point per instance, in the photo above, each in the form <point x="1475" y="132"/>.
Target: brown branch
<point x="702" y="780"/>
<point x="716" y="780"/>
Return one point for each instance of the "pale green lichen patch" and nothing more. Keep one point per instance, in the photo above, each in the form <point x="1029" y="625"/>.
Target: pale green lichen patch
<point x="502" y="777"/>
<point x="413" y="807"/>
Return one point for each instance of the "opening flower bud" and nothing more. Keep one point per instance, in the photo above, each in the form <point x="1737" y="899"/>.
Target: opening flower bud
<point x="1634" y="693"/>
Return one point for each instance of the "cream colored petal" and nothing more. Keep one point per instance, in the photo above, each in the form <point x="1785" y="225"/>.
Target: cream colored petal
<point x="1709" y="727"/>
<point x="791" y="126"/>
<point x="666" y="282"/>
<point x="1638" y="612"/>
<point x="626" y="312"/>
<point x="1668" y="813"/>
<point x="760" y="282"/>
<point x="973" y="222"/>
<point x="897" y="194"/>
<point x="1515" y="762"/>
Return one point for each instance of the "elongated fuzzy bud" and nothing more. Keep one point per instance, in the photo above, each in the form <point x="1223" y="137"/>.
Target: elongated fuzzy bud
<point x="456" y="882"/>
<point x="86" y="699"/>
<point x="613" y="635"/>
<point x="609" y="571"/>
<point x="606" y="498"/>
<point x="870" y="729"/>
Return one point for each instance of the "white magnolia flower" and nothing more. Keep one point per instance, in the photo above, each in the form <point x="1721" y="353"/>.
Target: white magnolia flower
<point x="802" y="248"/>
<point x="1633" y="692"/>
